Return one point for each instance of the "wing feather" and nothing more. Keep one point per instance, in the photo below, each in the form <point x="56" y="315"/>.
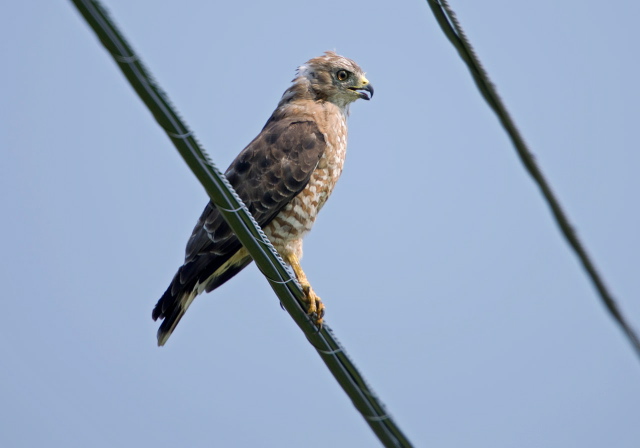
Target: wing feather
<point x="274" y="168"/>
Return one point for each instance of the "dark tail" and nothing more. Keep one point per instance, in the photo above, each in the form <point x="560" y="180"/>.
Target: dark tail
<point x="170" y="308"/>
<point x="178" y="296"/>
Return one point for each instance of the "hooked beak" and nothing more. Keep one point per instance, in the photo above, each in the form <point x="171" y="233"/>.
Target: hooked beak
<point x="364" y="90"/>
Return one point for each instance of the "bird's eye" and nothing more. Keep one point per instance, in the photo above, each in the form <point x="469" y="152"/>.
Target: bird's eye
<point x="342" y="75"/>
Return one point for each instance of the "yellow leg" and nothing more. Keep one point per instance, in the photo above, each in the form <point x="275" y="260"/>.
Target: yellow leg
<point x="315" y="307"/>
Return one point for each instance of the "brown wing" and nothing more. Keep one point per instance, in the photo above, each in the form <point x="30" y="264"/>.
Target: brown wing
<point x="274" y="168"/>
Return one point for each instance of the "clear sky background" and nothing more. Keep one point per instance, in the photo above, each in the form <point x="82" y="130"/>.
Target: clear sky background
<point x="440" y="266"/>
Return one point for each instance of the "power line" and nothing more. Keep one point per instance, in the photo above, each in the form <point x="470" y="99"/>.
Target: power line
<point x="454" y="32"/>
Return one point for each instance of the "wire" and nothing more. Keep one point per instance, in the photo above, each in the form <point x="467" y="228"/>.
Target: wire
<point x="245" y="227"/>
<point x="454" y="32"/>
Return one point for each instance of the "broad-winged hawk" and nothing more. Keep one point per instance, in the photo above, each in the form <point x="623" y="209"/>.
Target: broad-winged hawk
<point x="284" y="176"/>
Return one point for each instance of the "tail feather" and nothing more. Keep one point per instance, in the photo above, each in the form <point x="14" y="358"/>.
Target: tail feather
<point x="170" y="320"/>
<point x="180" y="294"/>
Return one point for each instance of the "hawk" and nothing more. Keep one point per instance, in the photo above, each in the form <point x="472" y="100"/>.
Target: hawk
<point x="284" y="176"/>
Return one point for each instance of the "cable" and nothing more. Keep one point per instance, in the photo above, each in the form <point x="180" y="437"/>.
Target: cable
<point x="454" y="32"/>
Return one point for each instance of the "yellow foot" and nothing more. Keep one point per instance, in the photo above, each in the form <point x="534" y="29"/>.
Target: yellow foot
<point x="315" y="307"/>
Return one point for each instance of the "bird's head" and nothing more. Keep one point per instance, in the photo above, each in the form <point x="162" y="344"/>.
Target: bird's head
<point x="331" y="78"/>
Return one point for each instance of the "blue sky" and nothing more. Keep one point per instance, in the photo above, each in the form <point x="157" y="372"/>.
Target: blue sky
<point x="440" y="266"/>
